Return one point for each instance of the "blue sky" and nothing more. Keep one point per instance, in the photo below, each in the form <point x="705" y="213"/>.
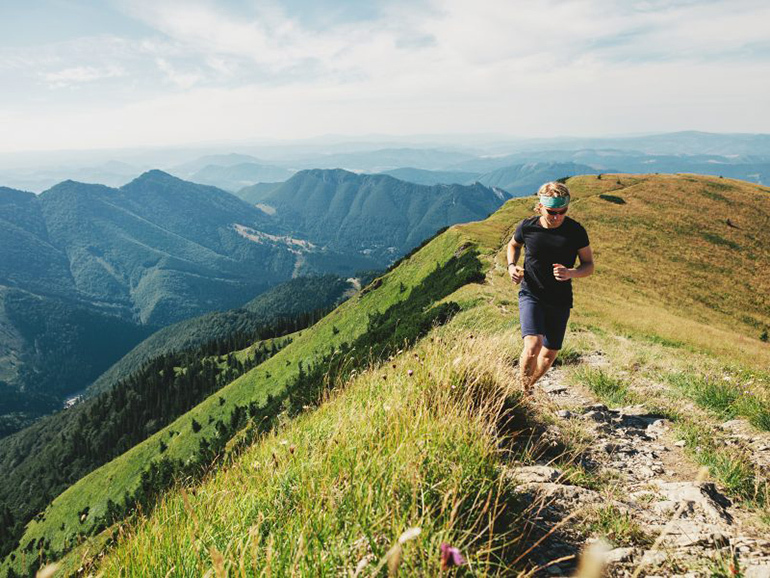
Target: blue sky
<point x="117" y="73"/>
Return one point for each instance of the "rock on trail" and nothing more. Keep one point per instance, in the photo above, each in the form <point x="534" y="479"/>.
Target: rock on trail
<point x="653" y="486"/>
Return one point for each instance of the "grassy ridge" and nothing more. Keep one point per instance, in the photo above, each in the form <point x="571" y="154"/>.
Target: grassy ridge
<point x="408" y="445"/>
<point x="61" y="522"/>
<point x="621" y="299"/>
<point x="380" y="442"/>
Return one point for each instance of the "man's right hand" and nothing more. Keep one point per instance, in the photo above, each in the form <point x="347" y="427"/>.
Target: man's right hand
<point x="516" y="273"/>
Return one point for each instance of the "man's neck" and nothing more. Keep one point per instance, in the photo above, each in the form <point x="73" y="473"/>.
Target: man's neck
<point x="546" y="225"/>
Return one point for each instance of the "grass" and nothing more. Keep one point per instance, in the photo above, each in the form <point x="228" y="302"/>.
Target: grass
<point x="609" y="389"/>
<point x="735" y="472"/>
<point x="335" y="489"/>
<point x="724" y="397"/>
<point x="616" y="526"/>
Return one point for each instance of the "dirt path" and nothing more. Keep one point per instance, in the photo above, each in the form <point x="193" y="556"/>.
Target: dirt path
<point x="650" y="500"/>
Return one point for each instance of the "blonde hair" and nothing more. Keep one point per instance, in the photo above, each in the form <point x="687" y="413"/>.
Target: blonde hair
<point x="553" y="189"/>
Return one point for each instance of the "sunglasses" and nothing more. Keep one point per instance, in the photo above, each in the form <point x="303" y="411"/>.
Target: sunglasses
<point x="555" y="212"/>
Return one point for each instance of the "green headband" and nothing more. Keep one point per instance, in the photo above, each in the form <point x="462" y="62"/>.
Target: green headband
<point x="554" y="202"/>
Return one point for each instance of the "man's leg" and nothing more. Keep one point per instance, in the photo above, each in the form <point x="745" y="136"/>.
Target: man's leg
<point x="528" y="363"/>
<point x="544" y="362"/>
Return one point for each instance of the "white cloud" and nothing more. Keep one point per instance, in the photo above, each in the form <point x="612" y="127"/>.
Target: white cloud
<point x="537" y="69"/>
<point x="180" y="79"/>
<point x="81" y="74"/>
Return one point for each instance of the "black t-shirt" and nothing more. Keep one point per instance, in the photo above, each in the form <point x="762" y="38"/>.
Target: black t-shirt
<point x="545" y="247"/>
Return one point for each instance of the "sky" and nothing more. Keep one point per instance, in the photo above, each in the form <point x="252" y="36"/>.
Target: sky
<point x="79" y="74"/>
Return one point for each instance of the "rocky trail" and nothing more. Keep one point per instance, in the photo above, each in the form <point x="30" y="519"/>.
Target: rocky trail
<point x="663" y="517"/>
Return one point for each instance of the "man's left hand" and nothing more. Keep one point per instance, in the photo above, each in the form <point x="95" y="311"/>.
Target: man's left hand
<point x="561" y="272"/>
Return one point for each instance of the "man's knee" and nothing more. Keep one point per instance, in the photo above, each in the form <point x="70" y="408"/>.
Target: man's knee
<point x="532" y="345"/>
<point x="549" y="354"/>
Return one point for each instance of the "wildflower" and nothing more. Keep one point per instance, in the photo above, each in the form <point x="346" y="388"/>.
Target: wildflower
<point x="450" y="556"/>
<point x="410" y="372"/>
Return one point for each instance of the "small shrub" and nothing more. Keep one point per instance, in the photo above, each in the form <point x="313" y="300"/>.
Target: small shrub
<point x="613" y="199"/>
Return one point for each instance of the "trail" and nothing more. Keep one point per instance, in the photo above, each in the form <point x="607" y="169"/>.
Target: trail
<point x="653" y="490"/>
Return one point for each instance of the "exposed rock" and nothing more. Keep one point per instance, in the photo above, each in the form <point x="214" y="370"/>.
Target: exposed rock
<point x="595" y="415"/>
<point x="564" y="414"/>
<point x="567" y="495"/>
<point x="619" y="555"/>
<point x="554" y="388"/>
<point x="757" y="571"/>
<point x="703" y="494"/>
<point x="654" y="558"/>
<point x="535" y="474"/>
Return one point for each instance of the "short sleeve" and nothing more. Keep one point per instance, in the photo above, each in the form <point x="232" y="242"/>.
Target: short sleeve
<point x="581" y="237"/>
<point x="518" y="234"/>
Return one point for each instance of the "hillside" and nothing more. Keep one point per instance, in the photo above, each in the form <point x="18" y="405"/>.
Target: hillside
<point x="343" y="211"/>
<point x="138" y="395"/>
<point x="663" y="314"/>
<point x="88" y="271"/>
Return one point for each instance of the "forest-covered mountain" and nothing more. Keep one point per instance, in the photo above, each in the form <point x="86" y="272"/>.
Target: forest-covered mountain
<point x="88" y="271"/>
<point x="376" y="215"/>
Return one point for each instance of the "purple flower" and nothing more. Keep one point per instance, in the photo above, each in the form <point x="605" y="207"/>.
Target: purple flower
<point x="450" y="556"/>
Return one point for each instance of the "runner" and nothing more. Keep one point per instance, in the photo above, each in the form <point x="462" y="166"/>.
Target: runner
<point x="553" y="241"/>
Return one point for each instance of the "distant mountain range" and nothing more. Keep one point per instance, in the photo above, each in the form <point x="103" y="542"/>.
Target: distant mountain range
<point x="377" y="215"/>
<point x="88" y="271"/>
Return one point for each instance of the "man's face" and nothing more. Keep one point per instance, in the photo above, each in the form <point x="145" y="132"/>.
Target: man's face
<point x="555" y="217"/>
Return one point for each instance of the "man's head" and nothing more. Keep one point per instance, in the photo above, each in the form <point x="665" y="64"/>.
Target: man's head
<point x="554" y="200"/>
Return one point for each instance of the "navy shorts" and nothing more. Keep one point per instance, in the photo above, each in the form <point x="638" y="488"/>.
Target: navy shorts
<point x="537" y="318"/>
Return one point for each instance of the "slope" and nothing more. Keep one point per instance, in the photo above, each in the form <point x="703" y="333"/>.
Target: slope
<point x="622" y="213"/>
<point x="145" y="395"/>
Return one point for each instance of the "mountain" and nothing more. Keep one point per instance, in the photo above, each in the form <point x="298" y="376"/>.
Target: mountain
<point x="425" y="177"/>
<point x="396" y="415"/>
<point x="113" y="173"/>
<point x="285" y="301"/>
<point x="376" y="215"/>
<point x="379" y="160"/>
<point x="160" y="249"/>
<point x="235" y="177"/>
<point x="188" y="168"/>
<point x="520" y="180"/>
<point x="516" y="179"/>
<point x="254" y="194"/>
<point x="88" y="271"/>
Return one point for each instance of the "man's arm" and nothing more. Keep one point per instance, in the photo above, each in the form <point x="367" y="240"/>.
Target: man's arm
<point x="513" y="254"/>
<point x="585" y="268"/>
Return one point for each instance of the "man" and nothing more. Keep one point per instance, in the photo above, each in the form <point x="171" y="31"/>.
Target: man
<point x="553" y="241"/>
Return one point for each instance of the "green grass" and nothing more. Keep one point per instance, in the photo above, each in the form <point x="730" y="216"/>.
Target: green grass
<point x="60" y="522"/>
<point x="609" y="389"/>
<point x="725" y="398"/>
<point x="338" y="486"/>
<point x="616" y="526"/>
<point x="733" y="470"/>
